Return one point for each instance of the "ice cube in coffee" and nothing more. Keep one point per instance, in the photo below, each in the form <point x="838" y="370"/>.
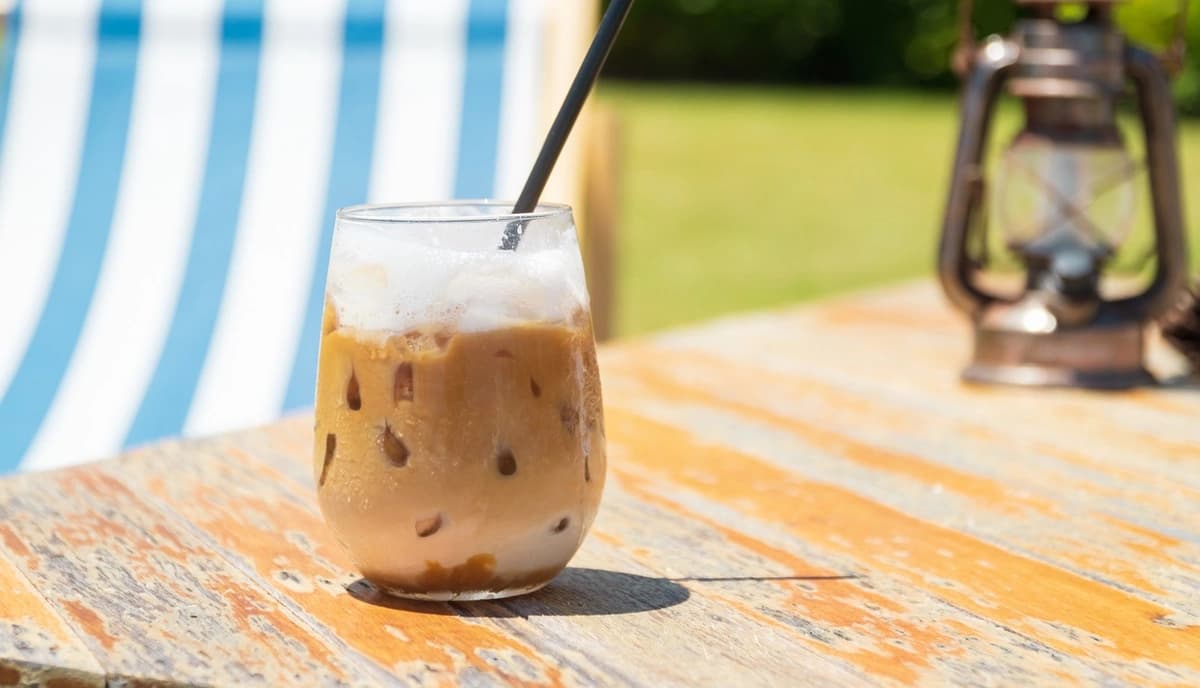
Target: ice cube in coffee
<point x="459" y="449"/>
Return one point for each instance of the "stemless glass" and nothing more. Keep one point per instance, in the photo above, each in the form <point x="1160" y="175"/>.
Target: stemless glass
<point x="459" y="450"/>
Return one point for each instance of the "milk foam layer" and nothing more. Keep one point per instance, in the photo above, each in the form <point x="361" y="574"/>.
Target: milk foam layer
<point x="399" y="279"/>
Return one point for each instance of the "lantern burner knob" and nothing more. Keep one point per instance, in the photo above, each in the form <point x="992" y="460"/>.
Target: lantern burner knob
<point x="1076" y="271"/>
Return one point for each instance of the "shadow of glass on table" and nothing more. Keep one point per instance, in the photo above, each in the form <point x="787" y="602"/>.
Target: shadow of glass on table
<point x="743" y="579"/>
<point x="575" y="592"/>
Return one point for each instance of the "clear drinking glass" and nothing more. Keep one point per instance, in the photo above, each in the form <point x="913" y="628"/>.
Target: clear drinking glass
<point x="459" y="449"/>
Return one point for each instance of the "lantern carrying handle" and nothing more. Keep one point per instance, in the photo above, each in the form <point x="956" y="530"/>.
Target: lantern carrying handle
<point x="1171" y="57"/>
<point x="964" y="52"/>
<point x="1158" y="127"/>
<point x="983" y="81"/>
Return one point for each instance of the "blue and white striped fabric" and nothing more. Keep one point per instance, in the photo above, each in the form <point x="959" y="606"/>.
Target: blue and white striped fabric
<point x="169" y="171"/>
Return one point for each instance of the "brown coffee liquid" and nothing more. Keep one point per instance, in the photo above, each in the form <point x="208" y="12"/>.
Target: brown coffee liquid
<point x="459" y="462"/>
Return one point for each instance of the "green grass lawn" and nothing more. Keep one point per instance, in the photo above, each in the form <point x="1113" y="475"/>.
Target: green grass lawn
<point x="736" y="198"/>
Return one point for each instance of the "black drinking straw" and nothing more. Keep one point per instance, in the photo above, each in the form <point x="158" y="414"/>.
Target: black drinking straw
<point x="606" y="35"/>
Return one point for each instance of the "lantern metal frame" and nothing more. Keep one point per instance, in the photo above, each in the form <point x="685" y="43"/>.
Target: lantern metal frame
<point x="1060" y="331"/>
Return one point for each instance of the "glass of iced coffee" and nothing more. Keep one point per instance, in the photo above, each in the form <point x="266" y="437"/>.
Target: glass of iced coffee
<point x="459" y="448"/>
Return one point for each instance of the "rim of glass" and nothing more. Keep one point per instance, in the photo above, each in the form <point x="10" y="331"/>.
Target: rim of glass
<point x="377" y="212"/>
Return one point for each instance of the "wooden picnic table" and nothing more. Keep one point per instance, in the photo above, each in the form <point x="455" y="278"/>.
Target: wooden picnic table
<point x="800" y="497"/>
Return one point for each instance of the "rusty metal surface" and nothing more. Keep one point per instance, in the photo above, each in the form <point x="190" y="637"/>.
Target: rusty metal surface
<point x="804" y="497"/>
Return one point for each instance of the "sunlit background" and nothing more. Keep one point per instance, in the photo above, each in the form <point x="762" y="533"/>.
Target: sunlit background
<point x="779" y="150"/>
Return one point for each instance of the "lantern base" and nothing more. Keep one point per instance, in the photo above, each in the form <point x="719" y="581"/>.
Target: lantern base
<point x="1104" y="354"/>
<point x="1041" y="376"/>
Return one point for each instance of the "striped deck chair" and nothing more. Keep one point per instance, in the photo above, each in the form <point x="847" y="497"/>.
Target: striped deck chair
<point x="169" y="171"/>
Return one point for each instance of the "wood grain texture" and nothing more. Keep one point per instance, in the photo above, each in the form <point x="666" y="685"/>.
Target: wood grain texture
<point x="148" y="600"/>
<point x="618" y="603"/>
<point x="803" y="497"/>
<point x="36" y="646"/>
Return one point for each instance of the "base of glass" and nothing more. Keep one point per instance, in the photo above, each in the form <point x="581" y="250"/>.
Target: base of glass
<point x="464" y="595"/>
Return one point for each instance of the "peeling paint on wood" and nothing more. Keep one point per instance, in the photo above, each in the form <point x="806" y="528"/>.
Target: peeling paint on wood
<point x="37" y="647"/>
<point x="272" y="532"/>
<point x="804" y="497"/>
<point x="1067" y="612"/>
<point x="875" y="622"/>
<point x="1052" y="514"/>
<point x="148" y="601"/>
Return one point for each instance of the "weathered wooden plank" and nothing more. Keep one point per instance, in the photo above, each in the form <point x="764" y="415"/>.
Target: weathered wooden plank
<point x="803" y="497"/>
<point x="876" y="623"/>
<point x="1122" y="634"/>
<point x="261" y="522"/>
<point x="1106" y="549"/>
<point x="920" y="305"/>
<point x="150" y="602"/>
<point x="932" y="358"/>
<point x="36" y="646"/>
<point x="789" y="390"/>
<point x="616" y="618"/>
<point x="261" y="519"/>
<point x="794" y="344"/>
<point x="1074" y="522"/>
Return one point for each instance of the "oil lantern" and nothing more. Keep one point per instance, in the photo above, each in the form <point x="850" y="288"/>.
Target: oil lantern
<point x="1064" y="195"/>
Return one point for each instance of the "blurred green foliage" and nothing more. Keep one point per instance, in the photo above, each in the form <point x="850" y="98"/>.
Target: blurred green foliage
<point x="889" y="43"/>
<point x="743" y="197"/>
